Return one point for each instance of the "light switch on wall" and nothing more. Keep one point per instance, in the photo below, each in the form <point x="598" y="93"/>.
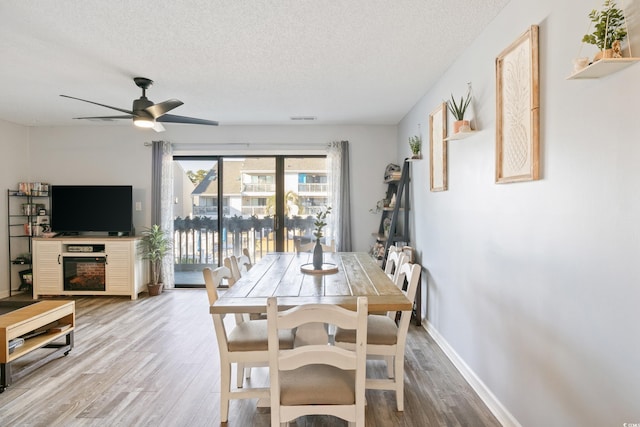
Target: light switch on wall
<point x="138" y="206"/>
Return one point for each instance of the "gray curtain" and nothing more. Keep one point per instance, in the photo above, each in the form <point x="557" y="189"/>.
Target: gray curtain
<point x="161" y="200"/>
<point x="338" y="159"/>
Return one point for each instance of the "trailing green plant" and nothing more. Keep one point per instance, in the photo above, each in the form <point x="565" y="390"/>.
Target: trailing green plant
<point x="458" y="110"/>
<point x="155" y="244"/>
<point x="320" y="222"/>
<point x="609" y="26"/>
<point x="415" y="143"/>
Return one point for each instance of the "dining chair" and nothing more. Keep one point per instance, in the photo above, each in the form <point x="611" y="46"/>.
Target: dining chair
<point x="246" y="345"/>
<point x="308" y="247"/>
<point x="395" y="258"/>
<point x="318" y="379"/>
<point x="244" y="261"/>
<point x="231" y="262"/>
<point x="387" y="339"/>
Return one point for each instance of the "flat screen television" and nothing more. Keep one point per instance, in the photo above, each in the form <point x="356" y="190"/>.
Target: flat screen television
<point x="92" y="208"/>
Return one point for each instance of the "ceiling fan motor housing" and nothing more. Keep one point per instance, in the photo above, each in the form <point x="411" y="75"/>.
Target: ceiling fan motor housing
<point x="139" y="106"/>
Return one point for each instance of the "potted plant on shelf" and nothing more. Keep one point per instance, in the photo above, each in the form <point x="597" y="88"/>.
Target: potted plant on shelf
<point x="319" y="223"/>
<point x="415" y="143"/>
<point x="458" y="110"/>
<point x="154" y="246"/>
<point x="608" y="29"/>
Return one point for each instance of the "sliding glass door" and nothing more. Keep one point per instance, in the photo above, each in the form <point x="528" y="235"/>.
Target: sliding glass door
<point x="224" y="205"/>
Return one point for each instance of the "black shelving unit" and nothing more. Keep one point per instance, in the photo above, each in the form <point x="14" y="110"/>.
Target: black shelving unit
<point x="23" y="222"/>
<point x="397" y="232"/>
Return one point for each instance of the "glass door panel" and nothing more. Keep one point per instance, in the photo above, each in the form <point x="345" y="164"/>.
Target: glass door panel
<point x="249" y="206"/>
<point x="305" y="194"/>
<point x="195" y="213"/>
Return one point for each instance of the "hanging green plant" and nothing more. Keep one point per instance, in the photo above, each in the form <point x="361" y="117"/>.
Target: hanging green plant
<point x="415" y="143"/>
<point x="608" y="26"/>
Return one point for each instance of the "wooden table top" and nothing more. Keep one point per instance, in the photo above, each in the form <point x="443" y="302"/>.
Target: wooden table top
<point x="280" y="275"/>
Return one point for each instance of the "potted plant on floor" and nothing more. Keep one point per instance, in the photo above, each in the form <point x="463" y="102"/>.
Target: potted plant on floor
<point x="608" y="30"/>
<point x="154" y="246"/>
<point x="458" y="110"/>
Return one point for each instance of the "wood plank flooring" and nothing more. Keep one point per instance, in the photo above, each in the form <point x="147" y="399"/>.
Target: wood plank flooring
<point x="154" y="362"/>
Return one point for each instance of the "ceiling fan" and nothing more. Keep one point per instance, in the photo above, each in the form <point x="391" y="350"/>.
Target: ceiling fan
<point x="145" y="113"/>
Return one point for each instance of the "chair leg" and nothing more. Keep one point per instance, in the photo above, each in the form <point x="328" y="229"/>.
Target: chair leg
<point x="225" y="391"/>
<point x="399" y="382"/>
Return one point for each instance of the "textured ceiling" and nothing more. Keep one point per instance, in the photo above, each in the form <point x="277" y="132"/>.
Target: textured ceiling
<point x="235" y="61"/>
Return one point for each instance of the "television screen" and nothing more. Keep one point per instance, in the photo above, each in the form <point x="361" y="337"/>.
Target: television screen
<point x="92" y="208"/>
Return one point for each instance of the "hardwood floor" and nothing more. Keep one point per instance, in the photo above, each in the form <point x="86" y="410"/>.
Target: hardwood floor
<point x="154" y="362"/>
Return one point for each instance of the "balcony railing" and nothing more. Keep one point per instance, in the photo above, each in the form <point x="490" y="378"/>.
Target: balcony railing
<point x="259" y="188"/>
<point x="196" y="239"/>
<point x="313" y="188"/>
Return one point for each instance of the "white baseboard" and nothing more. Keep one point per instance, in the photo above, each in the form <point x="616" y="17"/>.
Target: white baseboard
<point x="497" y="409"/>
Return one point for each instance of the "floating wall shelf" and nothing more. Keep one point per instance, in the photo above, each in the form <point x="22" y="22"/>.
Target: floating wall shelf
<point x="602" y="68"/>
<point x="461" y="135"/>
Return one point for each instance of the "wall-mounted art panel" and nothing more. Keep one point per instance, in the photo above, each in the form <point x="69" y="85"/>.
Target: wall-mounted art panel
<point x="518" y="112"/>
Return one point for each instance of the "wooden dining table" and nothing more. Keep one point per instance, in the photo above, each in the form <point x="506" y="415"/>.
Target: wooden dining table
<point x="279" y="274"/>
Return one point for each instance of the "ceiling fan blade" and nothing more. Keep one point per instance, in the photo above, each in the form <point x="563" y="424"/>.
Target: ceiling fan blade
<point x="157" y="110"/>
<point x="102" y="105"/>
<point x="158" y="127"/>
<point x="171" y="118"/>
<point x="106" y="118"/>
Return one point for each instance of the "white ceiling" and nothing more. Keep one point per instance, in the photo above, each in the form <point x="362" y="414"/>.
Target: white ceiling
<point x="235" y="61"/>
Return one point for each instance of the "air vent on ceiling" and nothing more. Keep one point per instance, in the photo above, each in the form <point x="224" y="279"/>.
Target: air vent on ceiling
<point x="303" y="118"/>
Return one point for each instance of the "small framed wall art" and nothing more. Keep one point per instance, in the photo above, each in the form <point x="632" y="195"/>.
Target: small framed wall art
<point x="438" y="148"/>
<point x="518" y="110"/>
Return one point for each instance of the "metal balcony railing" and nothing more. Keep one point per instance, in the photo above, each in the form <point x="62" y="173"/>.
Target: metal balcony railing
<point x="196" y="240"/>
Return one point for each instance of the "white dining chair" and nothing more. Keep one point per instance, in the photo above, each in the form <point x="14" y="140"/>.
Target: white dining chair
<point x="244" y="261"/>
<point x="387" y="339"/>
<point x="317" y="379"/>
<point x="231" y="262"/>
<point x="395" y="259"/>
<point x="246" y="345"/>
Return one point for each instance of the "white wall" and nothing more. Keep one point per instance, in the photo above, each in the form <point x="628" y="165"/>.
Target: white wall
<point x="117" y="155"/>
<point x="534" y="285"/>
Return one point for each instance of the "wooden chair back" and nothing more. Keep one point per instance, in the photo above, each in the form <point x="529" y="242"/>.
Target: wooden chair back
<point x="307" y="364"/>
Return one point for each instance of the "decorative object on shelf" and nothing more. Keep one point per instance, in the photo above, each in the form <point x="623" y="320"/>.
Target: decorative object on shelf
<point x="392" y="172"/>
<point x="609" y="28"/>
<point x="458" y="110"/>
<point x="387" y="226"/>
<point x="154" y="246"/>
<point x="518" y="110"/>
<point x="33" y="189"/>
<point x="380" y="204"/>
<point x="415" y="143"/>
<point x="580" y="63"/>
<point x="438" y="148"/>
<point x="319" y="223"/>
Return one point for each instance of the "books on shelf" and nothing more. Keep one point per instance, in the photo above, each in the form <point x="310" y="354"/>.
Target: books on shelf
<point x="15" y="343"/>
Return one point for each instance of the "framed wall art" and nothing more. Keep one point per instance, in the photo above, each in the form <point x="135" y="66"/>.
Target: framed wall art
<point x="518" y="110"/>
<point x="438" y="148"/>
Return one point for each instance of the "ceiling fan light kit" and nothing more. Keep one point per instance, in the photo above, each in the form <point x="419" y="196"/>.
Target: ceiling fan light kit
<point x="143" y="122"/>
<point x="145" y="113"/>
